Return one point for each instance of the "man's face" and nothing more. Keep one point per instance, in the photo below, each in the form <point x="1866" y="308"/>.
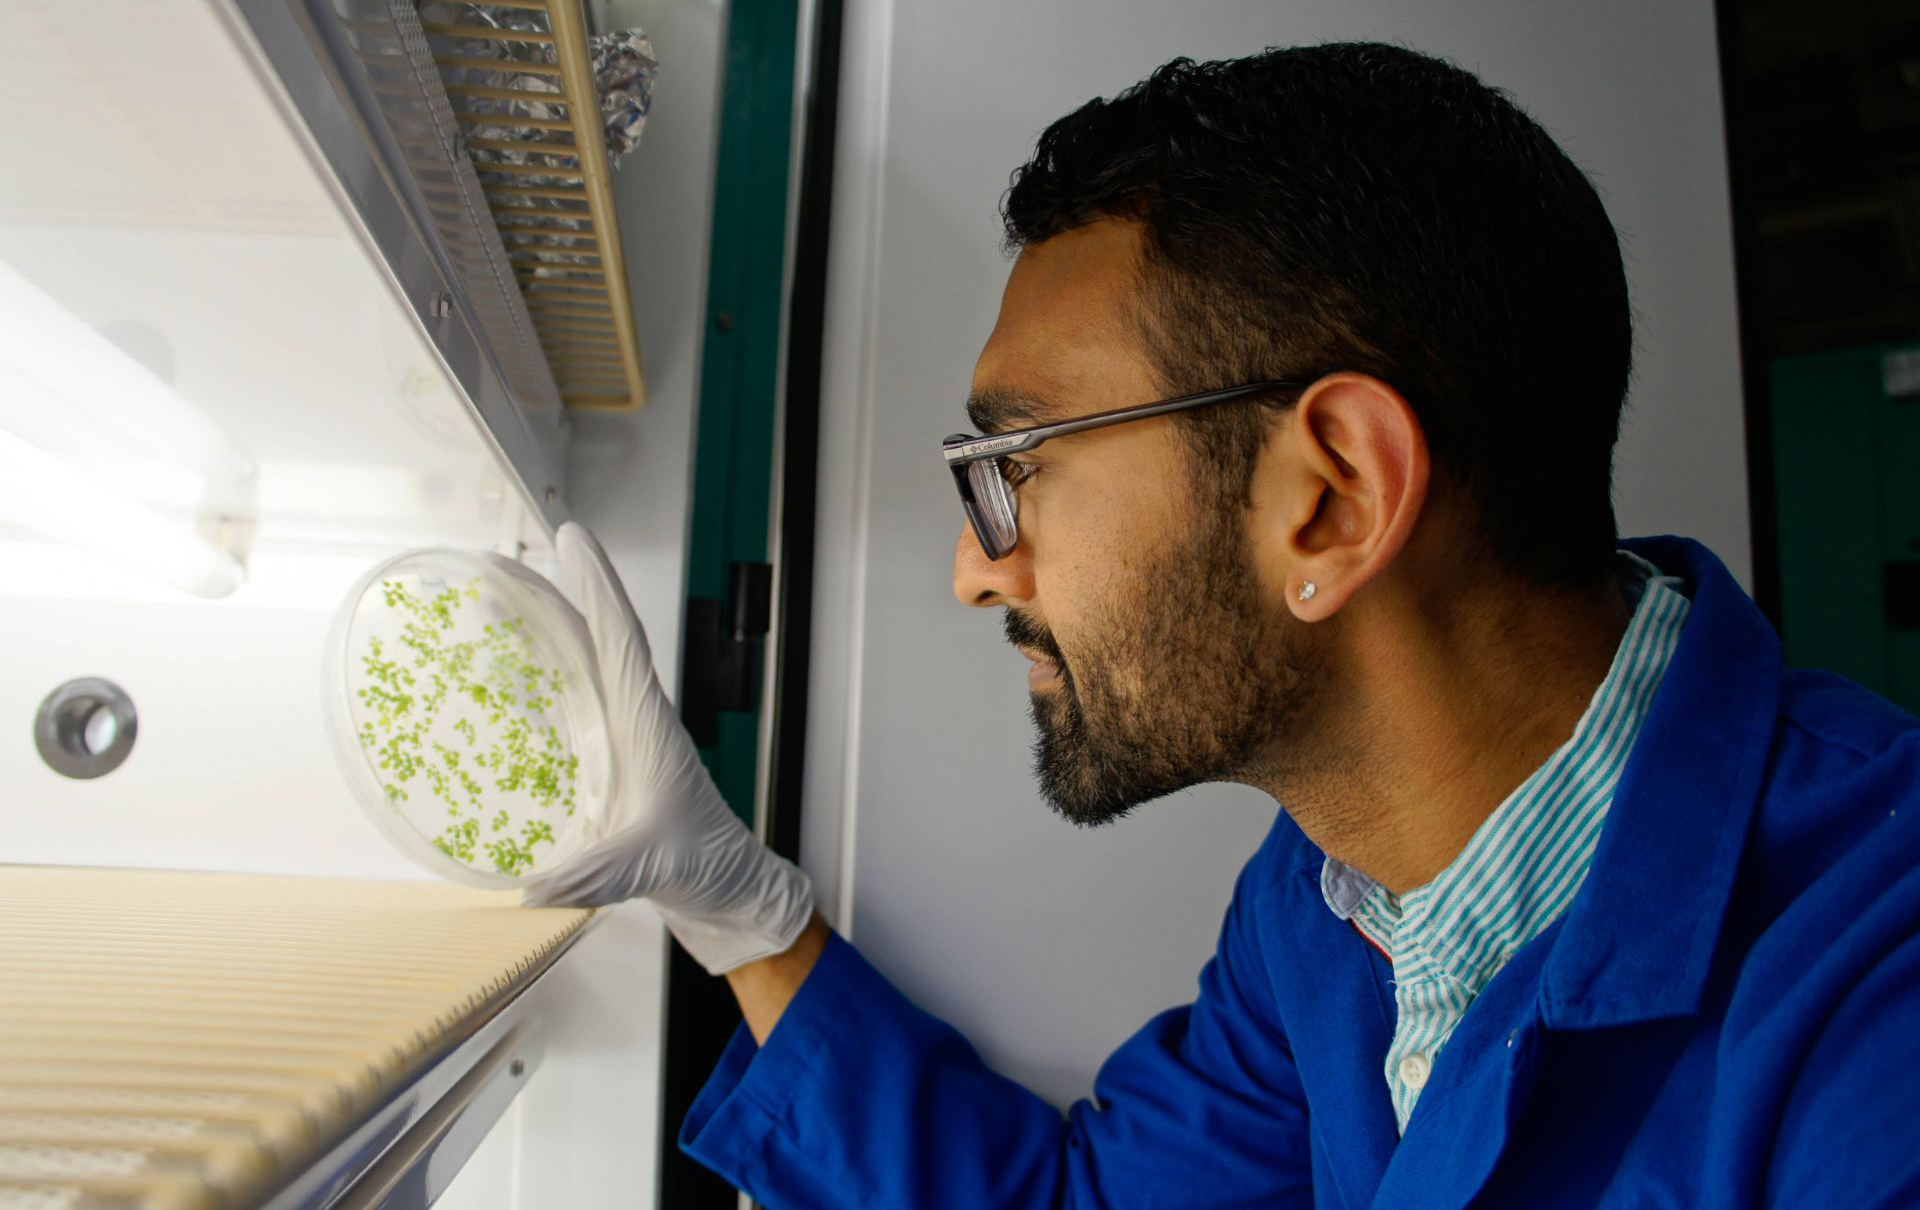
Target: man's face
<point x="1160" y="660"/>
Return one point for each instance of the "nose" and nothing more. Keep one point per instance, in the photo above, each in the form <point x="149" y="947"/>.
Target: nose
<point x="978" y="580"/>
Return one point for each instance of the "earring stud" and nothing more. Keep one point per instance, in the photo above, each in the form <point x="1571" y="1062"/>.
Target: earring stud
<point x="1307" y="589"/>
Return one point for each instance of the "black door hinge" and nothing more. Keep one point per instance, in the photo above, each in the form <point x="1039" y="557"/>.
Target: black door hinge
<point x="723" y="648"/>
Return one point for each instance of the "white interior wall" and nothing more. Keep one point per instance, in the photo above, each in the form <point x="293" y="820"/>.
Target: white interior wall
<point x="1047" y="945"/>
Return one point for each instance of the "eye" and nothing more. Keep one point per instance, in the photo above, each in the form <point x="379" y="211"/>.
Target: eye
<point x="1016" y="473"/>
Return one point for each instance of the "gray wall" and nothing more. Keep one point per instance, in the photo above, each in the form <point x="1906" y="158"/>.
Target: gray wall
<point x="1047" y="945"/>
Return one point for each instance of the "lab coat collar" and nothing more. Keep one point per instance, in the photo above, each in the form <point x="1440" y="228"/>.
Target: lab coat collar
<point x="1639" y="940"/>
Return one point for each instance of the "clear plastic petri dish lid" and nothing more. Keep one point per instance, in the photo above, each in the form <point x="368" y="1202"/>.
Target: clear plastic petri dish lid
<point x="465" y="708"/>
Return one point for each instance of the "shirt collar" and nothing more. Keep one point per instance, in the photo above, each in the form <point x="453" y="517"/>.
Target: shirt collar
<point x="1344" y="888"/>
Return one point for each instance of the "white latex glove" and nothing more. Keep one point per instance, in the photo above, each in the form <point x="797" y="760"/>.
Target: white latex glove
<point x="668" y="836"/>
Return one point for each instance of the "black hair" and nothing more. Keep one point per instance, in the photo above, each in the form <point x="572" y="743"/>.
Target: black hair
<point x="1364" y="207"/>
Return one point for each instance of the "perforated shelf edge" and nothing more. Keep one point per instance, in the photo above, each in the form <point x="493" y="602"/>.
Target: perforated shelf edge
<point x="186" y="1040"/>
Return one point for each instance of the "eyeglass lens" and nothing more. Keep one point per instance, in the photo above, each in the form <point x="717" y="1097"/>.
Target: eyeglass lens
<point x="994" y="509"/>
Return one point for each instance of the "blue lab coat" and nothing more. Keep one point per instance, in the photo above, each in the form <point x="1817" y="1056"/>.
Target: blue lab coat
<point x="1727" y="1016"/>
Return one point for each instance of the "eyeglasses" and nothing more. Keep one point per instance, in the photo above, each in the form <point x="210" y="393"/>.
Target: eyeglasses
<point x="980" y="464"/>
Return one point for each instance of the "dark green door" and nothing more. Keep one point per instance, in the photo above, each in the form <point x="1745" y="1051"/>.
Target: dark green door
<point x="1846" y="440"/>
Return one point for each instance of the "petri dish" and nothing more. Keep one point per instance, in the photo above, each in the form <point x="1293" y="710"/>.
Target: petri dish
<point x="464" y="705"/>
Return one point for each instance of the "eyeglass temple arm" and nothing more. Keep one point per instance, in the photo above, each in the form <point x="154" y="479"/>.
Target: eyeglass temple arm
<point x="1022" y="440"/>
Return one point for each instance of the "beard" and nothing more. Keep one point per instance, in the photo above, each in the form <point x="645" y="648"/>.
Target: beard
<point x="1186" y="677"/>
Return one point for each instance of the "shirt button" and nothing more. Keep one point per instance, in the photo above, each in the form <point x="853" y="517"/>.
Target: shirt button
<point x="1413" y="1071"/>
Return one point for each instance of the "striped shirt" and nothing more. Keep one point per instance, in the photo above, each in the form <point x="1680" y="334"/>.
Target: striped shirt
<point x="1520" y="871"/>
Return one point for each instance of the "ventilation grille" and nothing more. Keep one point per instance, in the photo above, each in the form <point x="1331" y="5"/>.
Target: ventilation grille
<point x="193" y="1040"/>
<point x="521" y="83"/>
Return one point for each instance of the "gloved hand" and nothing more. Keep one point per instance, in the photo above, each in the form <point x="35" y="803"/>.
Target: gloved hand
<point x="668" y="835"/>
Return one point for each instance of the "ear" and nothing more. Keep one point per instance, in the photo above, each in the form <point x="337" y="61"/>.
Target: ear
<point x="1337" y="491"/>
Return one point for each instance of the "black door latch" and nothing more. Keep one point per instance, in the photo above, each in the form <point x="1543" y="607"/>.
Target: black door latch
<point x="1901" y="590"/>
<point x="722" y="651"/>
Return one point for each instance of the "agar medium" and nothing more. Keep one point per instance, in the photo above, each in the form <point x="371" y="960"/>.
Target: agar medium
<point x="466" y="712"/>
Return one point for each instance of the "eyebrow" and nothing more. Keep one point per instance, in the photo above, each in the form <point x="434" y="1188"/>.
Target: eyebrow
<point x="996" y="409"/>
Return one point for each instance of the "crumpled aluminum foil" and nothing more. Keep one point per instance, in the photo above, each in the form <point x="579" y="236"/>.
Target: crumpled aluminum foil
<point x="624" y="68"/>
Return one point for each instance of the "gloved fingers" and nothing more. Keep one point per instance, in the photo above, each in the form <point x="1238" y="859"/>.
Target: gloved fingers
<point x="618" y="636"/>
<point x="618" y="866"/>
<point x="583" y="882"/>
<point x="545" y="894"/>
<point x="657" y="760"/>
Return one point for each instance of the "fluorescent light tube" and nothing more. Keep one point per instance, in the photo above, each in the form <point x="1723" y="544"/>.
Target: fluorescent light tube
<point x="81" y="422"/>
<point x="116" y="394"/>
<point x="52" y="498"/>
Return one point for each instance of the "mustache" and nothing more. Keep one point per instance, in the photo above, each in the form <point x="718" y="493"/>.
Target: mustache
<point x="1023" y="631"/>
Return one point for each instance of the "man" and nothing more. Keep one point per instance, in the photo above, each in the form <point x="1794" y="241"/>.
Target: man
<point x="1300" y="410"/>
